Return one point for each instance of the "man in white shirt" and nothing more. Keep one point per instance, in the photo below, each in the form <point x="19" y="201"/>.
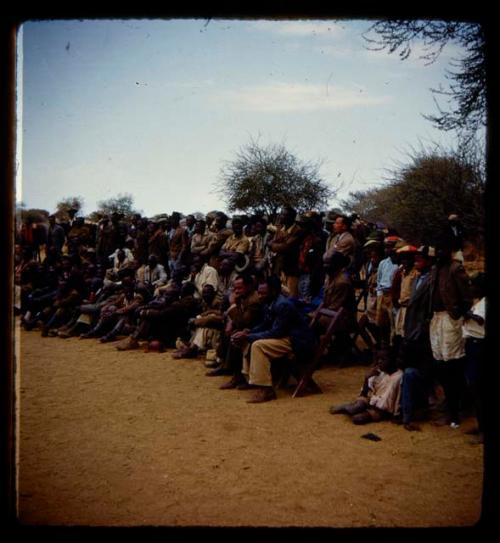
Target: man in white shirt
<point x="203" y="274"/>
<point x="152" y="274"/>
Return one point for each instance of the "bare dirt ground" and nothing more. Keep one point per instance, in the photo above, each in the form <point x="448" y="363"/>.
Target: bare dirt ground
<point x="110" y="438"/>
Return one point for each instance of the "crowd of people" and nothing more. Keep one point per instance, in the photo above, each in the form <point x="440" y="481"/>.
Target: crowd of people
<point x="241" y="292"/>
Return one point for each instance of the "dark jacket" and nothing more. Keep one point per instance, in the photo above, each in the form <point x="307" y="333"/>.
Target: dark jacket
<point x="247" y="312"/>
<point x="451" y="289"/>
<point x="286" y="245"/>
<point x="282" y="319"/>
<point x="339" y="293"/>
<point x="419" y="310"/>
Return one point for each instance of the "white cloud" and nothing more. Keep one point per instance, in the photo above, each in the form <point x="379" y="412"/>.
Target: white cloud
<point x="283" y="97"/>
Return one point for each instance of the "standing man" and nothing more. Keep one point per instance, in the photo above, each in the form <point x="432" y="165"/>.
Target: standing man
<point x="451" y="299"/>
<point x="342" y="241"/>
<point x="56" y="236"/>
<point x="416" y="354"/>
<point x="286" y="245"/>
<point x="385" y="274"/>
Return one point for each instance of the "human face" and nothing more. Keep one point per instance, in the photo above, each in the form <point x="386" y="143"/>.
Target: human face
<point x="199" y="227"/>
<point x="258" y="228"/>
<point x="339" y="226"/>
<point x="286" y="218"/>
<point x="421" y="263"/>
<point x="239" y="288"/>
<point x="208" y="294"/>
<point x="263" y="292"/>
<point x="237" y="228"/>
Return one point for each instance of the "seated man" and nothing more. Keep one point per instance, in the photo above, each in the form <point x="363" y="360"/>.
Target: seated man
<point x="152" y="275"/>
<point x="164" y="318"/>
<point x="244" y="312"/>
<point x="114" y="314"/>
<point x="339" y="293"/>
<point x="207" y="326"/>
<point x="283" y="332"/>
<point x="69" y="295"/>
<point x="203" y="274"/>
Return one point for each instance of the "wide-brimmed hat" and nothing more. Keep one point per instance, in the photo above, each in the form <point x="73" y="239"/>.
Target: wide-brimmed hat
<point x="427" y="250"/>
<point x="372" y="243"/>
<point x="407" y="249"/>
<point x="392" y="240"/>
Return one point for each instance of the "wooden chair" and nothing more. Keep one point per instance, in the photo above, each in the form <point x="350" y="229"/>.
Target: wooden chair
<point x="303" y="371"/>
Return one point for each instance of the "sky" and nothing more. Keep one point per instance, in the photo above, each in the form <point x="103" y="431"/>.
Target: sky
<point x="155" y="108"/>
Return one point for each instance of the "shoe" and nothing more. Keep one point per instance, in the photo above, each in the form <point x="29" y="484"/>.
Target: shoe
<point x="265" y="394"/>
<point x="233" y="383"/>
<point x="52" y="333"/>
<point x="45" y="331"/>
<point x="88" y="335"/>
<point x="454" y="425"/>
<point x="107" y="338"/>
<point x="180" y="344"/>
<point x="189" y="352"/>
<point x="246" y="386"/>
<point x="443" y="421"/>
<point x="412" y="427"/>
<point x="127" y="344"/>
<point x="211" y="364"/>
<point x="218" y="371"/>
<point x="362" y="418"/>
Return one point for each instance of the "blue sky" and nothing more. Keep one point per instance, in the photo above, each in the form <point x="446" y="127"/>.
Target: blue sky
<point x="155" y="108"/>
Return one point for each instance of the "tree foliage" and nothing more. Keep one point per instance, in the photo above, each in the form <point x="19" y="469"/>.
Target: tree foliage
<point x="422" y="194"/>
<point x="263" y="179"/>
<point x="466" y="93"/>
<point x="24" y="214"/>
<point x="71" y="202"/>
<point x="122" y="203"/>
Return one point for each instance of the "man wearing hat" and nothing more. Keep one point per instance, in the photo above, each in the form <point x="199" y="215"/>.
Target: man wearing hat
<point x="402" y="286"/>
<point x="416" y="354"/>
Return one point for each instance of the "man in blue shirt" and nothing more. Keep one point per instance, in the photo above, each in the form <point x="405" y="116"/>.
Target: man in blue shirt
<point x="385" y="274"/>
<point x="283" y="331"/>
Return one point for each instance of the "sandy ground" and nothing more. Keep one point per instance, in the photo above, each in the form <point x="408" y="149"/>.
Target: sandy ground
<point x="134" y="438"/>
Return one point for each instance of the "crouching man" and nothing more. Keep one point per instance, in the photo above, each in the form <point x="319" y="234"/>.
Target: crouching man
<point x="283" y="332"/>
<point x="206" y="326"/>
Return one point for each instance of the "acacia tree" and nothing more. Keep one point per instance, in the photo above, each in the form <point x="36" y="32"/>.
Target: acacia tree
<point x="122" y="203"/>
<point x="421" y="194"/>
<point x="466" y="91"/>
<point x="71" y="202"/>
<point x="263" y="179"/>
